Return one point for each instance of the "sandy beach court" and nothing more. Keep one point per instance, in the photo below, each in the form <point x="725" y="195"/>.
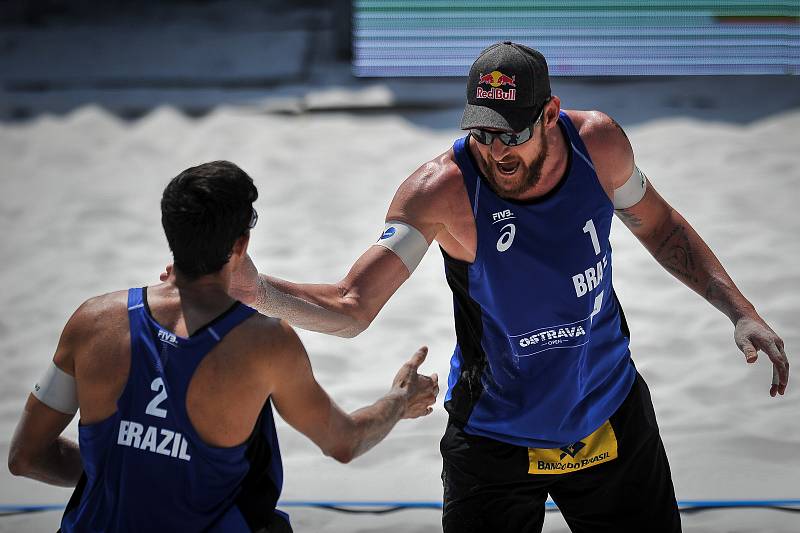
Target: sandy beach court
<point x="79" y="207"/>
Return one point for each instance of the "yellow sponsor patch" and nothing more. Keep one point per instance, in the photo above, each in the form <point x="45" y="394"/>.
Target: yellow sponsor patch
<point x="599" y="447"/>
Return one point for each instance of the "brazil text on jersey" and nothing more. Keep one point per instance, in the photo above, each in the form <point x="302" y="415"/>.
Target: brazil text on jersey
<point x="152" y="439"/>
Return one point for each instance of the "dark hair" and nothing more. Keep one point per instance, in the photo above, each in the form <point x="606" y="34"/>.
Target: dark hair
<point x="204" y="209"/>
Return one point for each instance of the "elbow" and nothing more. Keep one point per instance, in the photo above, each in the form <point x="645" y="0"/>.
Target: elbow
<point x="343" y="447"/>
<point x="342" y="454"/>
<point x="344" y="458"/>
<point x="18" y="463"/>
<point x="358" y="315"/>
<point x="344" y="437"/>
<point x="352" y="330"/>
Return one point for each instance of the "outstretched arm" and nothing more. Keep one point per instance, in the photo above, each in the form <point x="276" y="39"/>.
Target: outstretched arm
<point x="305" y="405"/>
<point x="348" y="307"/>
<point x="344" y="309"/>
<point x="678" y="248"/>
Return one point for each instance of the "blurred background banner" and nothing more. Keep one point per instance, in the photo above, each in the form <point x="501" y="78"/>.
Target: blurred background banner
<point x="579" y="37"/>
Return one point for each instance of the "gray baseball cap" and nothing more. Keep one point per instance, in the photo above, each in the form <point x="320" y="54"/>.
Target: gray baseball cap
<point x="507" y="87"/>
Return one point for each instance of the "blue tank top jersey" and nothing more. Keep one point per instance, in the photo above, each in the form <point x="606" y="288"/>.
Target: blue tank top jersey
<point x="145" y="467"/>
<point x="542" y="355"/>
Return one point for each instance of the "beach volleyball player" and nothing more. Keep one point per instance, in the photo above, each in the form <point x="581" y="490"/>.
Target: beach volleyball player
<point x="175" y="384"/>
<point x="543" y="395"/>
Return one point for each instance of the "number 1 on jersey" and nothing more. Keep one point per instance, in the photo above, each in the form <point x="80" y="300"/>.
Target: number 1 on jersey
<point x="592" y="231"/>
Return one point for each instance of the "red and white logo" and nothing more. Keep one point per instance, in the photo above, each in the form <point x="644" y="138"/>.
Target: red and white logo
<point x="496" y="80"/>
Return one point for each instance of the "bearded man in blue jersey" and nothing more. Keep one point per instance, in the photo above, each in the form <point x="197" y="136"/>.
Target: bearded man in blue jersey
<point x="543" y="395"/>
<point x="175" y="384"/>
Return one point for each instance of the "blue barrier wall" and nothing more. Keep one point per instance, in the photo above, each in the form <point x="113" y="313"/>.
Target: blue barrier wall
<point x="579" y="37"/>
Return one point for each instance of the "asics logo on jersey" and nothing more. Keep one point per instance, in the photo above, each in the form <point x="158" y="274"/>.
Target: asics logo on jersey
<point x="166" y="336"/>
<point x="506" y="237"/>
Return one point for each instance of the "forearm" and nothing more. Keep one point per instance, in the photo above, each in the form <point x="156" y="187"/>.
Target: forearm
<point x="358" y="432"/>
<point x="681" y="251"/>
<point x="373" y="423"/>
<point x="60" y="464"/>
<point x="304" y="308"/>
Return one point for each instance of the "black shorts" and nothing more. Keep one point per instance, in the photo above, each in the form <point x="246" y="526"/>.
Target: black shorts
<point x="488" y="485"/>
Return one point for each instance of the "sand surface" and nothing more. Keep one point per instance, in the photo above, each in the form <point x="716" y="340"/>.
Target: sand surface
<point x="79" y="197"/>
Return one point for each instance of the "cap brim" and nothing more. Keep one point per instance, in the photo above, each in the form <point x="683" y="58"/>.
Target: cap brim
<point x="509" y="119"/>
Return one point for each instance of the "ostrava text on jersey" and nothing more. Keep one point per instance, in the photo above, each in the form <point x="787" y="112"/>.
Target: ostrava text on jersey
<point x="145" y="467"/>
<point x="542" y="355"/>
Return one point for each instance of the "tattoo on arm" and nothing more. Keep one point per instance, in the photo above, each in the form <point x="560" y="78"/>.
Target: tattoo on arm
<point x="713" y="291"/>
<point x="720" y="291"/>
<point x="676" y="255"/>
<point x="629" y="219"/>
<point x="678" y="248"/>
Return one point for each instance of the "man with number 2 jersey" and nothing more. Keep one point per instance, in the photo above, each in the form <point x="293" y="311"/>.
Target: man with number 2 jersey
<point x="176" y="382"/>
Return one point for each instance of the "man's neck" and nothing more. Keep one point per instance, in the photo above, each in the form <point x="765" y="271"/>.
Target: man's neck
<point x="209" y="285"/>
<point x="184" y="305"/>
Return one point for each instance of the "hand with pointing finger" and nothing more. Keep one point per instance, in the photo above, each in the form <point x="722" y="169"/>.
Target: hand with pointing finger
<point x="752" y="335"/>
<point x="419" y="390"/>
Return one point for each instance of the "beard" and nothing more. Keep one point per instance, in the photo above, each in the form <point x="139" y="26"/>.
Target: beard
<point x="532" y="173"/>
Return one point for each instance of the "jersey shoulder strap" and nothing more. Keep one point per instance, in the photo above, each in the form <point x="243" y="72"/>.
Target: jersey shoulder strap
<point x="472" y="179"/>
<point x="575" y="139"/>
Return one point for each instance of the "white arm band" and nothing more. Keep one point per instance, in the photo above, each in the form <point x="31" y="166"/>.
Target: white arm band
<point x="56" y="389"/>
<point x="405" y="241"/>
<point x="631" y="191"/>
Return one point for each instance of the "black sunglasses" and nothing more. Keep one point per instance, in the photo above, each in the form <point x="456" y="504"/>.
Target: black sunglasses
<point x="509" y="139"/>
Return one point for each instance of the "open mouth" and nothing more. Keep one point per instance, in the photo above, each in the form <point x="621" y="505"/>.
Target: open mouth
<point x="507" y="168"/>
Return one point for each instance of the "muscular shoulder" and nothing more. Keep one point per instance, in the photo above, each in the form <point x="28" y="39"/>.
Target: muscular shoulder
<point x="268" y="334"/>
<point x="99" y="314"/>
<point x="98" y="326"/>
<point x="433" y="181"/>
<point x="270" y="341"/>
<point x="429" y="197"/>
<point x="608" y="146"/>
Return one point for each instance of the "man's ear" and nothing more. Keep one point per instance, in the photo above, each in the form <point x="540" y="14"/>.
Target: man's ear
<point x="240" y="246"/>
<point x="551" y="112"/>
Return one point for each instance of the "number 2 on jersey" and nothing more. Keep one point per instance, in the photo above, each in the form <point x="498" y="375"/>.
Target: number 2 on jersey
<point x="153" y="408"/>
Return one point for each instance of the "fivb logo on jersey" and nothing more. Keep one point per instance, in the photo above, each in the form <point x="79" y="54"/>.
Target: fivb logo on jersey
<point x="167" y="337"/>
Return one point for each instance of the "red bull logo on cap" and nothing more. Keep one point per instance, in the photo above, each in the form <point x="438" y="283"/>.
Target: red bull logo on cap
<point x="497" y="80"/>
